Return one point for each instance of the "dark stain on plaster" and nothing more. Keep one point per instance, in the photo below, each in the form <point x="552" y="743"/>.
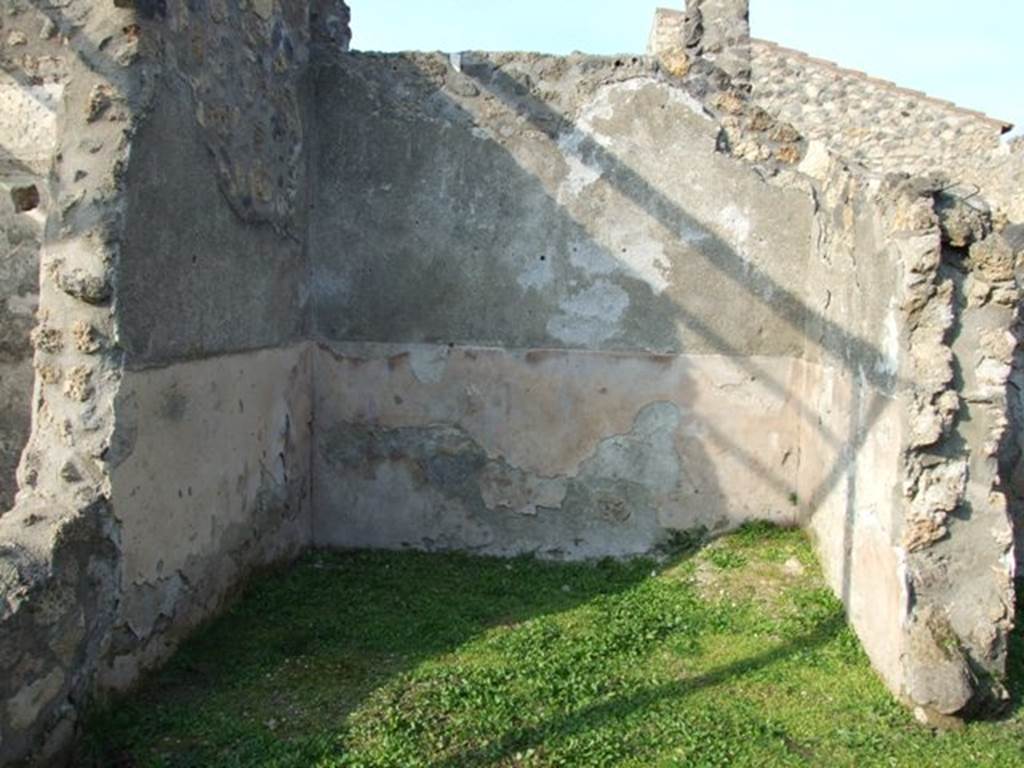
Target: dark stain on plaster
<point x="173" y="405"/>
<point x="611" y="503"/>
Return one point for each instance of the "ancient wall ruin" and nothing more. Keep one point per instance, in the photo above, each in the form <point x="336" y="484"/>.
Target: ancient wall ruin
<point x="885" y="127"/>
<point x="171" y="367"/>
<point x="290" y="296"/>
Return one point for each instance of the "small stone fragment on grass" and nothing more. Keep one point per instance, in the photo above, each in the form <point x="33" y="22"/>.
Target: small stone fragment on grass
<point x="794" y="567"/>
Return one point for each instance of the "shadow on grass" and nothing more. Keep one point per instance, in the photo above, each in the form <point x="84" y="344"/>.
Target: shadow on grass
<point x="332" y="632"/>
<point x="599" y="715"/>
<point x="359" y="620"/>
<point x="311" y="645"/>
<point x="1015" y="662"/>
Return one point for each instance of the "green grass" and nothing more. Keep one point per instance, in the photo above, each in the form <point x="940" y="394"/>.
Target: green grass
<point x="731" y="655"/>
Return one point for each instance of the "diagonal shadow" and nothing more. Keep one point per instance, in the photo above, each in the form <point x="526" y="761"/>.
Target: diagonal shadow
<point x="599" y="715"/>
<point x="863" y="360"/>
<point x="855" y="353"/>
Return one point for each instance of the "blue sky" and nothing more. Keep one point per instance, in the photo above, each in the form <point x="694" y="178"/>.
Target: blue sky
<point x="969" y="53"/>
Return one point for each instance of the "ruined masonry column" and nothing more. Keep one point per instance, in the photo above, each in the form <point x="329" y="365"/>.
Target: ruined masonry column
<point x="715" y="31"/>
<point x="719" y="31"/>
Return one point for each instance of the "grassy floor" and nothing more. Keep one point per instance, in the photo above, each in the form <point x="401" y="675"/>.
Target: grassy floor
<point x="733" y="655"/>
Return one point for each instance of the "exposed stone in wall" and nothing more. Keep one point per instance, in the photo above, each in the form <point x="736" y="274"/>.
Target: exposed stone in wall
<point x="58" y="554"/>
<point x="709" y="32"/>
<point x="498" y="239"/>
<point x="959" y="311"/>
<point x="244" y="62"/>
<point x="28" y="125"/>
<point x="722" y="84"/>
<point x="873" y="122"/>
<point x="913" y="529"/>
<point x="1001" y="178"/>
<point x="887" y="128"/>
<point x="719" y="31"/>
<point x="20" y="237"/>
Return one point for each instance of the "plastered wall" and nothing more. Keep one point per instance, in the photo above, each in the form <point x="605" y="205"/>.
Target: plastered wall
<point x="210" y="454"/>
<point x="547" y="310"/>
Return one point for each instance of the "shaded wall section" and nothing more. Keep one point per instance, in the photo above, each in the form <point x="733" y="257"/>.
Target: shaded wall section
<point x="548" y="309"/>
<point x="211" y="453"/>
<point x="850" y="481"/>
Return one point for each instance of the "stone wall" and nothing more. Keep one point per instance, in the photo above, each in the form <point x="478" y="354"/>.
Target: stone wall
<point x="20" y="237"/>
<point x="873" y="122"/>
<point x="921" y="557"/>
<point x="28" y="134"/>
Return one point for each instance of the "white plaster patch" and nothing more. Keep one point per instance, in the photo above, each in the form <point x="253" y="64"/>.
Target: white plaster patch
<point x="889" y="365"/>
<point x="591" y="316"/>
<point x="646" y="260"/>
<point x="592" y="258"/>
<point x="643" y="259"/>
<point x="483" y="134"/>
<point x="537" y="275"/>
<point x="736" y="225"/>
<point x="505" y="488"/>
<point x="692" y="235"/>
<point x="428" y="363"/>
<point x="647" y="455"/>
<point x="816" y="162"/>
<point x="581" y="171"/>
<point x="28" y="121"/>
<point x="603" y="108"/>
<point x="23" y="306"/>
<point x="584" y="171"/>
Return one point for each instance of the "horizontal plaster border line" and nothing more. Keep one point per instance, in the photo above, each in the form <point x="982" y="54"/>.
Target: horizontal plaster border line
<point x="340" y="349"/>
<point x="162" y="364"/>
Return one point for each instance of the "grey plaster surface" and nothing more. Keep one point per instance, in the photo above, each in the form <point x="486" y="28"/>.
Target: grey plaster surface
<point x="550" y="202"/>
<point x="195" y="280"/>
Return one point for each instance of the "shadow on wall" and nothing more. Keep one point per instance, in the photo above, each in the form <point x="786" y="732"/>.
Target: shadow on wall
<point x="865" y="362"/>
<point x="22" y="186"/>
<point x="407" y="283"/>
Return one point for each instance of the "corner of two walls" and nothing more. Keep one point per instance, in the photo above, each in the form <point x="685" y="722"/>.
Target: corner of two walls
<point x="534" y="326"/>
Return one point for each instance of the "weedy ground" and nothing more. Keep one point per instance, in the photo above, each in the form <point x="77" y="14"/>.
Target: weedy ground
<point x="731" y="654"/>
